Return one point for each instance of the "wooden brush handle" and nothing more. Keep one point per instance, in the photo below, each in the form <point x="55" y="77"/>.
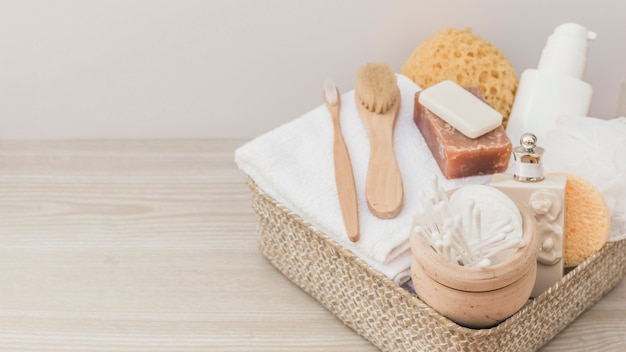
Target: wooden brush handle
<point x="383" y="185"/>
<point x="344" y="178"/>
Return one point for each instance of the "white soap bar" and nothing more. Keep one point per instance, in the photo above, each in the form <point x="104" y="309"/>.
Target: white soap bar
<point x="460" y="108"/>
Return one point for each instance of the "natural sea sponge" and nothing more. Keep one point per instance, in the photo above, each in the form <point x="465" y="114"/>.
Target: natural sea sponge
<point x="587" y="220"/>
<point x="467" y="59"/>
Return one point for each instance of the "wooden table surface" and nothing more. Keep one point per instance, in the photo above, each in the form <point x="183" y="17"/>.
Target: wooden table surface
<point x="152" y="246"/>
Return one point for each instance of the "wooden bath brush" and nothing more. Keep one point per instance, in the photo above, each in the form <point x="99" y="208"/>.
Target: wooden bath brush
<point x="377" y="98"/>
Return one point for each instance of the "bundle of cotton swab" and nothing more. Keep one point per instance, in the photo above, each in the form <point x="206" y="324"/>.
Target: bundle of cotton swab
<point x="460" y="239"/>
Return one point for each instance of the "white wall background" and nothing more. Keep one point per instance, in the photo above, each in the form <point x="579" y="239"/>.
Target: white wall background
<point x="198" y="69"/>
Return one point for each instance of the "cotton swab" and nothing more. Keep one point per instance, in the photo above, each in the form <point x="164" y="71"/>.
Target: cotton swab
<point x="476" y="224"/>
<point x="460" y="238"/>
<point x="512" y="244"/>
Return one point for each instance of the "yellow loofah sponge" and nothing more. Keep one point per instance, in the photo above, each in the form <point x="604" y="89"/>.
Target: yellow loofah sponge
<point x="467" y="59"/>
<point x="587" y="221"/>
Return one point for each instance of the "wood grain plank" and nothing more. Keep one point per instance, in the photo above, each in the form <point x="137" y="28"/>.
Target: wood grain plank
<point x="142" y="245"/>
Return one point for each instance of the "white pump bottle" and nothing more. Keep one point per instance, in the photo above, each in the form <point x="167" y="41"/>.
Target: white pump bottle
<point x="555" y="88"/>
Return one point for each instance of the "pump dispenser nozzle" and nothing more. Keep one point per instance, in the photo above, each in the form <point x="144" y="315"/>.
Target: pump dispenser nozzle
<point x="566" y="50"/>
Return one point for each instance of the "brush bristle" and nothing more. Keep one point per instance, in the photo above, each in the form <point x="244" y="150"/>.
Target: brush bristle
<point x="376" y="87"/>
<point x="330" y="91"/>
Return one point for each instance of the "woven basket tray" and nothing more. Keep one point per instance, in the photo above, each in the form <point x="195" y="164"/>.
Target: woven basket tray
<point x="392" y="318"/>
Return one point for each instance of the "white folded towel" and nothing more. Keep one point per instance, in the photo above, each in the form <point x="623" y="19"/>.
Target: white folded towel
<point x="294" y="164"/>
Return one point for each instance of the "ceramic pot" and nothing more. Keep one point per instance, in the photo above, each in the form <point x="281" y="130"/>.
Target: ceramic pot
<point x="476" y="297"/>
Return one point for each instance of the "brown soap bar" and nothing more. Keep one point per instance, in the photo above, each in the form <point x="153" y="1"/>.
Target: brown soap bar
<point x="458" y="155"/>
